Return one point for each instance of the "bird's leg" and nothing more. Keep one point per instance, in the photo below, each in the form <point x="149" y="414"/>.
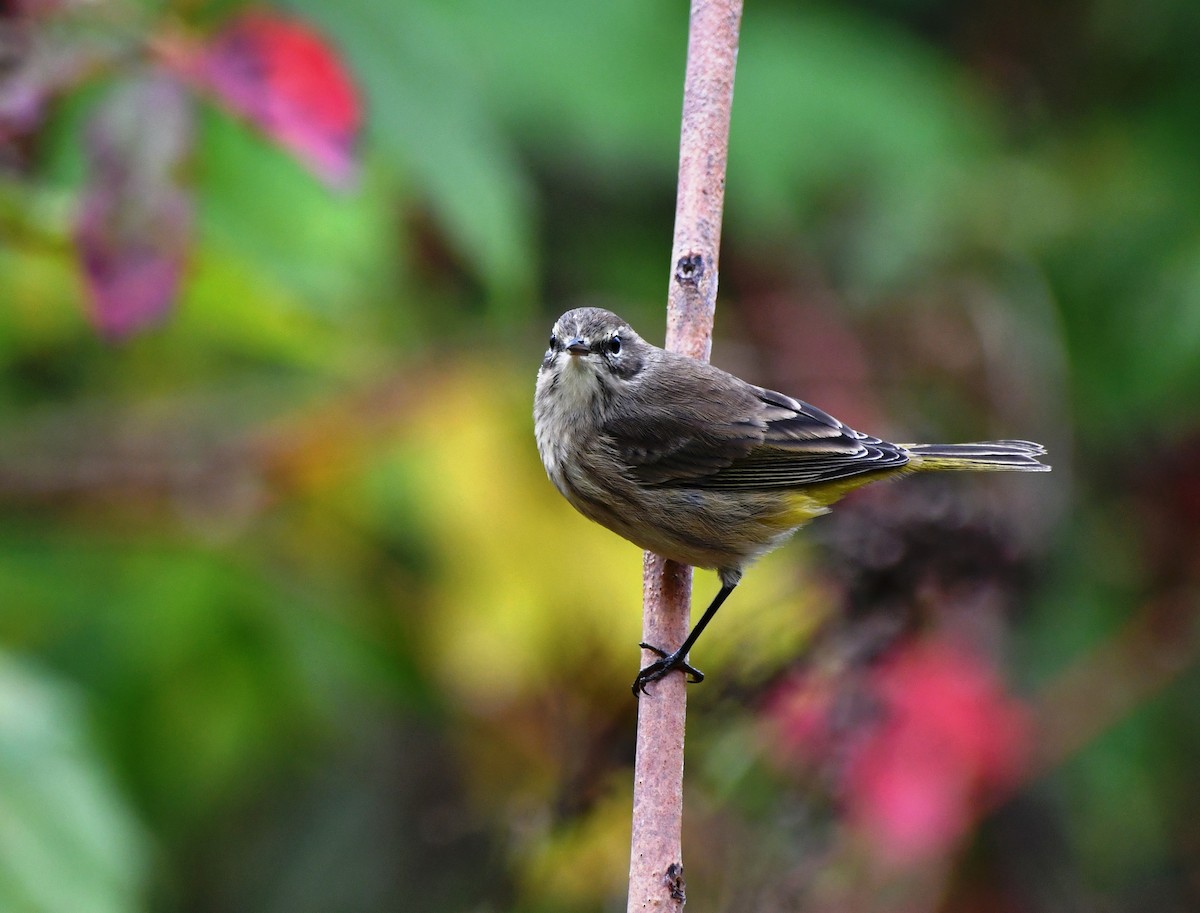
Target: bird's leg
<point x="678" y="660"/>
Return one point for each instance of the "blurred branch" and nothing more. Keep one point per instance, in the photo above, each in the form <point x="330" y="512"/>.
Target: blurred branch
<point x="656" y="866"/>
<point x="194" y="453"/>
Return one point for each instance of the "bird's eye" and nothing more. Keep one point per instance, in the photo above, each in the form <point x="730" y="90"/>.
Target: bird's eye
<point x="553" y="342"/>
<point x="614" y="345"/>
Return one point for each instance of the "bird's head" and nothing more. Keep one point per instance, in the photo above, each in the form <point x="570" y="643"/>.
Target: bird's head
<point x="591" y="353"/>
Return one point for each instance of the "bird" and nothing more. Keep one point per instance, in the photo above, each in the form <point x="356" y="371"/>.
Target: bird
<point x="701" y="467"/>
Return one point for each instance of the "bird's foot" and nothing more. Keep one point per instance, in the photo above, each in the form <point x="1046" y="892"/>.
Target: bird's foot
<point x="660" y="667"/>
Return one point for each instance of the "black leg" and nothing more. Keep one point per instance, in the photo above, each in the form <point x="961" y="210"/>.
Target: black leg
<point x="678" y="659"/>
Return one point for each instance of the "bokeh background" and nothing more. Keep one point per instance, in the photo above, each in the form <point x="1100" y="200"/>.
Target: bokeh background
<point x="290" y="618"/>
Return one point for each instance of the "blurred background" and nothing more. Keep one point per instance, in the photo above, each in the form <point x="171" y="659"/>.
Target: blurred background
<point x="290" y="618"/>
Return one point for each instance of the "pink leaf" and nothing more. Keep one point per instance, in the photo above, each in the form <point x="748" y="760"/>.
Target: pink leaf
<point x="283" y="76"/>
<point x="918" y="746"/>
<point x="134" y="224"/>
<point x="949" y="738"/>
<point x="799" y="715"/>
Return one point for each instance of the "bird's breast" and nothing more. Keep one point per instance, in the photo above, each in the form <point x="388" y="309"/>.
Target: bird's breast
<point x="563" y="414"/>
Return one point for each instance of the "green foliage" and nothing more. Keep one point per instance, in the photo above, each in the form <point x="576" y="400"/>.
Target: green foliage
<point x="853" y="133"/>
<point x="69" y="840"/>
<point x="427" y="115"/>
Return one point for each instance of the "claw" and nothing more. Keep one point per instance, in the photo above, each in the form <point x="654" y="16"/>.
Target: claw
<point x="660" y="667"/>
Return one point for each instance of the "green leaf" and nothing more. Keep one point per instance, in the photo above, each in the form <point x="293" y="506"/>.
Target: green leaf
<point x="854" y="134"/>
<point x="424" y="111"/>
<point x="67" y="841"/>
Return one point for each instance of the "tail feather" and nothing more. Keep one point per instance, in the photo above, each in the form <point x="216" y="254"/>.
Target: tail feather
<point x="1017" y="456"/>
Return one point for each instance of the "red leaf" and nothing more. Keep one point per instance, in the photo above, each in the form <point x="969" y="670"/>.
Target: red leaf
<point x="283" y="76"/>
<point x="949" y="738"/>
<point x="935" y="737"/>
<point x="134" y="224"/>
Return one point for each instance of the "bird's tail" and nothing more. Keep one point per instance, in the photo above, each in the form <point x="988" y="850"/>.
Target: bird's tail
<point x="1016" y="456"/>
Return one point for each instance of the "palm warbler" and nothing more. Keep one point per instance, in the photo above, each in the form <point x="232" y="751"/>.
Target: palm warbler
<point x="699" y="466"/>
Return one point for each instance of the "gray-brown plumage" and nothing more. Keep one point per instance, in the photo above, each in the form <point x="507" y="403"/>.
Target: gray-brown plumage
<point x="699" y="466"/>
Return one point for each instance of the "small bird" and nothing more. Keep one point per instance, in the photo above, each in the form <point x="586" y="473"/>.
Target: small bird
<point x="699" y="466"/>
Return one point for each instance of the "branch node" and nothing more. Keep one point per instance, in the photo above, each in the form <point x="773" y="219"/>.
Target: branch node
<point x="673" y="879"/>
<point x="689" y="268"/>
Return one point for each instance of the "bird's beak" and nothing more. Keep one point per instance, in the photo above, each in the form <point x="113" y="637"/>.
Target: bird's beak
<point x="577" y="346"/>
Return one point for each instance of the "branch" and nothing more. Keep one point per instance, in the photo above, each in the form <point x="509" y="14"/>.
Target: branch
<point x="656" y="858"/>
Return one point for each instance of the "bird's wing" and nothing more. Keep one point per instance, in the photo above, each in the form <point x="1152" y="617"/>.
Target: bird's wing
<point x="804" y="445"/>
<point x="692" y="422"/>
<point x="713" y="434"/>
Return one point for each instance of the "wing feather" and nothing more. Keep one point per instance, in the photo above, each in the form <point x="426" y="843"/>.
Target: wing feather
<point x="707" y="429"/>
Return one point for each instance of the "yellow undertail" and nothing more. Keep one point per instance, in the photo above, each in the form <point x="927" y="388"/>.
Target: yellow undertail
<point x="804" y="504"/>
